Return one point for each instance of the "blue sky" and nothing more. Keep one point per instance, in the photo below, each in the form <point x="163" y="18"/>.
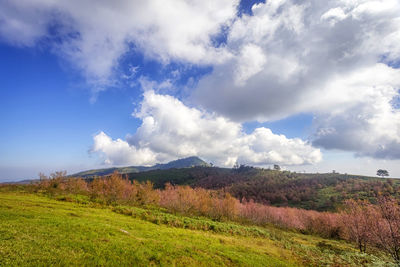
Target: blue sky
<point x="48" y="120"/>
<point x="223" y="80"/>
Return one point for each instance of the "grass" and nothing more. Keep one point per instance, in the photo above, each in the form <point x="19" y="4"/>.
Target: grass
<point x="37" y="231"/>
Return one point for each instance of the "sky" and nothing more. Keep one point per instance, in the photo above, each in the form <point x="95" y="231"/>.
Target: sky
<point x="309" y="85"/>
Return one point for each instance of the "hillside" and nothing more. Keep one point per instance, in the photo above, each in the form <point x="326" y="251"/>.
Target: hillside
<point x="179" y="163"/>
<point x="319" y="191"/>
<point x="36" y="231"/>
<point x="323" y="192"/>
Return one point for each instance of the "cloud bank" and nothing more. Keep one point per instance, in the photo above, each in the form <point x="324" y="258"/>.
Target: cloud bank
<point x="338" y="60"/>
<point x="171" y="130"/>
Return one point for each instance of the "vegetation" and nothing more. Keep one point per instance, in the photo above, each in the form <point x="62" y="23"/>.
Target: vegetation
<point x="374" y="226"/>
<point x="37" y="231"/>
<point x="322" y="192"/>
<point x="382" y="173"/>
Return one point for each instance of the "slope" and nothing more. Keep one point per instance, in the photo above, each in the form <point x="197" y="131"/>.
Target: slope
<point x="35" y="230"/>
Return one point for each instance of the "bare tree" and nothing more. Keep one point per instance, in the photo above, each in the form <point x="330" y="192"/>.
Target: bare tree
<point x="356" y="219"/>
<point x="386" y="228"/>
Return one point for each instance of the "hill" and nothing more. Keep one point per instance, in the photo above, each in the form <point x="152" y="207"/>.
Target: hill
<point x="317" y="191"/>
<point x="38" y="231"/>
<point x="180" y="163"/>
<point x="322" y="192"/>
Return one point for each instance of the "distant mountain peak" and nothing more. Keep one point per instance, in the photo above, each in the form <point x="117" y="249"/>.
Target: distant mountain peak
<point x="188" y="162"/>
<point x="184" y="163"/>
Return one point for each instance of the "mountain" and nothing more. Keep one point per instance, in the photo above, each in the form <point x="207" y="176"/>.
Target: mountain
<point x="180" y="163"/>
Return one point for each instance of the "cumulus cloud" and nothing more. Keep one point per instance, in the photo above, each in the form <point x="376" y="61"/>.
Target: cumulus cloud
<point x="369" y="124"/>
<point x="93" y="35"/>
<point x="303" y="53"/>
<point x="119" y="152"/>
<point x="336" y="60"/>
<point x="171" y="130"/>
<point x="250" y="62"/>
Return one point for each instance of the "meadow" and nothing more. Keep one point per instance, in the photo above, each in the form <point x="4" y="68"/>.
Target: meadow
<point x="41" y="229"/>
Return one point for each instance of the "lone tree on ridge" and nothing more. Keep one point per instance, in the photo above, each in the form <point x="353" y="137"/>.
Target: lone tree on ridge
<point x="382" y="173"/>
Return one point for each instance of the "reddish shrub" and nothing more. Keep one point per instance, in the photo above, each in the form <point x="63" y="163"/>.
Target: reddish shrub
<point x="386" y="226"/>
<point x="198" y="201"/>
<point x="75" y="186"/>
<point x="356" y="219"/>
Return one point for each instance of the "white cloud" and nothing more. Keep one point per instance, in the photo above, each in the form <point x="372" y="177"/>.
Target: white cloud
<point x="120" y="152"/>
<point x="366" y="121"/>
<point x="171" y="130"/>
<point x="250" y="62"/>
<point x="93" y="35"/>
<point x="331" y="59"/>
<point x="334" y="15"/>
<point x="335" y="59"/>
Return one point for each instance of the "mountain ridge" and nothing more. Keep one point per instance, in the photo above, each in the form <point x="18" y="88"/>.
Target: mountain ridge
<point x="187" y="162"/>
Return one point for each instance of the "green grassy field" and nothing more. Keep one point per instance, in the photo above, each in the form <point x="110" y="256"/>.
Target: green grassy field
<point x="36" y="231"/>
